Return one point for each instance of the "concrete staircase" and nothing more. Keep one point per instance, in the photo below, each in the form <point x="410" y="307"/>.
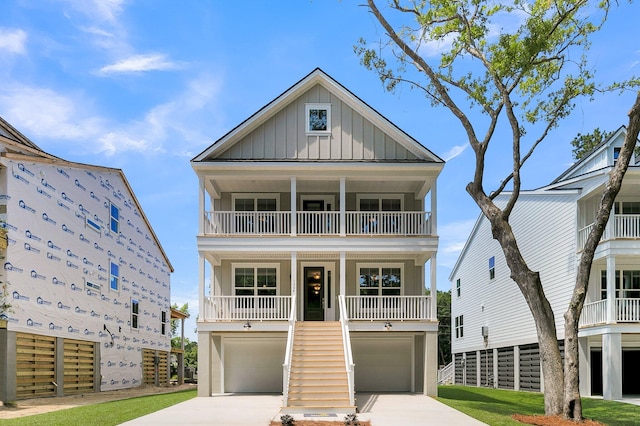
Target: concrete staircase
<point x="318" y="379"/>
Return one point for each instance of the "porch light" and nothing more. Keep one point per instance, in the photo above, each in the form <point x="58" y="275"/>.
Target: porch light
<point x="247" y="326"/>
<point x="387" y="326"/>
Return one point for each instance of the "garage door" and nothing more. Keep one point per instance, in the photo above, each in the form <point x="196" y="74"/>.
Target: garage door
<point x="382" y="365"/>
<point x="253" y="366"/>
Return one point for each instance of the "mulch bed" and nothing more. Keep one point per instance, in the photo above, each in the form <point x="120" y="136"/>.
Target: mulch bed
<point x="552" y="421"/>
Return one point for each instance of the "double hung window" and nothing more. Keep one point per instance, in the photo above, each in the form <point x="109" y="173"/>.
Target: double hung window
<point x="385" y="280"/>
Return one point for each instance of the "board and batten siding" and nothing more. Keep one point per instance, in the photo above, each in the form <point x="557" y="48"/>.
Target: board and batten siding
<point x="283" y="136"/>
<point x="544" y="226"/>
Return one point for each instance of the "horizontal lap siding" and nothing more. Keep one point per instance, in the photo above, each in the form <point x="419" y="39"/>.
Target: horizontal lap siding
<point x="35" y="365"/>
<point x="79" y="365"/>
<point x="530" y="368"/>
<point x="506" y="367"/>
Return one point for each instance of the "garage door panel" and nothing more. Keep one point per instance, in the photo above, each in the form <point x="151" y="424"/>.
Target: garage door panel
<point x="253" y="366"/>
<point x="383" y="365"/>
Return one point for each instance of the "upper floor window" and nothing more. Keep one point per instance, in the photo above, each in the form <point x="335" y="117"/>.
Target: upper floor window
<point x="385" y="280"/>
<point x="616" y="154"/>
<point x="258" y="280"/>
<point x="459" y="326"/>
<point x="163" y="322"/>
<point x="379" y="203"/>
<point x="458" y="287"/>
<point x="114" y="277"/>
<point x="255" y="202"/>
<point x="628" y="287"/>
<point x="135" y="309"/>
<point x="492" y="267"/>
<point x="114" y="219"/>
<point x="318" y="118"/>
<point x="626" y="207"/>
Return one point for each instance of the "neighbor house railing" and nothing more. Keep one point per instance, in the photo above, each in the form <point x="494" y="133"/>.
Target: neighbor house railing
<point x="445" y="374"/>
<point x="386" y="308"/>
<point x="619" y="226"/>
<point x="244" y="308"/>
<point x="346" y="344"/>
<point x="626" y="310"/>
<point x="318" y="223"/>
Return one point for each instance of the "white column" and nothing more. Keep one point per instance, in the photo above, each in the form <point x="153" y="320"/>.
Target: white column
<point x="584" y="374"/>
<point x="294" y="185"/>
<point x="478" y="368"/>
<point x="495" y="368"/>
<point x="433" y="288"/>
<point x="516" y="368"/>
<point x="343" y="206"/>
<point x="201" y="212"/>
<point x="294" y="280"/>
<point x="611" y="289"/>
<point x="431" y="364"/>
<point x="343" y="273"/>
<point x="612" y="365"/>
<point x="434" y="208"/>
<point x="201" y="286"/>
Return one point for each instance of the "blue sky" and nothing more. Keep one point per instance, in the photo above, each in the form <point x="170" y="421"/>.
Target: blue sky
<point x="145" y="85"/>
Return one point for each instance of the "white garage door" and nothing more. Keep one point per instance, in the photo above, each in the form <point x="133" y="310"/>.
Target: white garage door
<point x="253" y="366"/>
<point x="383" y="364"/>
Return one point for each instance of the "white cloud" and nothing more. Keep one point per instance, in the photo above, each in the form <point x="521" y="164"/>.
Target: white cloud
<point x="102" y="10"/>
<point x="453" y="237"/>
<point x="140" y="63"/>
<point x="454" y="152"/>
<point x="433" y="48"/>
<point x="13" y="41"/>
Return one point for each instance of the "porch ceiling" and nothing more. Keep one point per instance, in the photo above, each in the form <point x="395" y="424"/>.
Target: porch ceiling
<point x="261" y="255"/>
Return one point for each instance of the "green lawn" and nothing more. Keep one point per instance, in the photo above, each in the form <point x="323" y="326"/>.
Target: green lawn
<point x="106" y="413"/>
<point x="495" y="406"/>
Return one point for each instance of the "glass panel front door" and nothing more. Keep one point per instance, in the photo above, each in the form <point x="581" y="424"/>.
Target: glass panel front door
<point x="314" y="294"/>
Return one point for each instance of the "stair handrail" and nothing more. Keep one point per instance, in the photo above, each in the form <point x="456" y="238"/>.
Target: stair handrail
<point x="346" y="344"/>
<point x="445" y="374"/>
<point x="286" y="367"/>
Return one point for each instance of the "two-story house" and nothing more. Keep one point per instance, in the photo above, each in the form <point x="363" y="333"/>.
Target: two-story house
<point x="86" y="277"/>
<point x="493" y="334"/>
<point x="317" y="232"/>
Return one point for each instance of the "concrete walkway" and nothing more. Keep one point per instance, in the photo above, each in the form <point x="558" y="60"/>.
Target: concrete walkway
<point x="258" y="410"/>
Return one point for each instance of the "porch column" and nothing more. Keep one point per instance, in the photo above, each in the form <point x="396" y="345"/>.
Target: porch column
<point x="433" y="289"/>
<point x="202" y="297"/>
<point x="294" y="228"/>
<point x="516" y="368"/>
<point x="431" y="363"/>
<point x="434" y="208"/>
<point x="343" y="206"/>
<point x="495" y="368"/>
<point x="584" y="374"/>
<point x="611" y="289"/>
<point x="201" y="211"/>
<point x="611" y="365"/>
<point x="294" y="278"/>
<point x="343" y="273"/>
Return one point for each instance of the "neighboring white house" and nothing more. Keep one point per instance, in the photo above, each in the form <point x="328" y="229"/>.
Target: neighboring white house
<point x="493" y="334"/>
<point x="313" y="214"/>
<point x="87" y="279"/>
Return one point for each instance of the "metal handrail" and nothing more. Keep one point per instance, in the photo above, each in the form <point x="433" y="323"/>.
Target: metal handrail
<point x="346" y="343"/>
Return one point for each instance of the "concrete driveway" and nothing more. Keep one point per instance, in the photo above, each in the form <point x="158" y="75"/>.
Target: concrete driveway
<point x="257" y="410"/>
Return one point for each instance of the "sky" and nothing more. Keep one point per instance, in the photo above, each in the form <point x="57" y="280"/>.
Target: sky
<point x="145" y="85"/>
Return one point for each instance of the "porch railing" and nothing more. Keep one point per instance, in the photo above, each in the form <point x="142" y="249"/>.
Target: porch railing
<point x="445" y="374"/>
<point x="619" y="226"/>
<point x="244" y="308"/>
<point x="386" y="308"/>
<point x="318" y="223"/>
<point x="348" y="354"/>
<point x="626" y="310"/>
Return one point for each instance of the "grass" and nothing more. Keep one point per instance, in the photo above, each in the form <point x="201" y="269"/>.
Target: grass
<point x="105" y="413"/>
<point x="496" y="406"/>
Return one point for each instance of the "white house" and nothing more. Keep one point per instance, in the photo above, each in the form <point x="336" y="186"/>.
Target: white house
<point x="493" y="335"/>
<point x="317" y="230"/>
<point x="86" y="277"/>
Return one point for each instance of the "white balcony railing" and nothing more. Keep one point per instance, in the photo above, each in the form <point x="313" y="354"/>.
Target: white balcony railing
<point x="318" y="223"/>
<point x="245" y="308"/>
<point x="348" y="353"/>
<point x="626" y="310"/>
<point x="387" y="308"/>
<point x="619" y="226"/>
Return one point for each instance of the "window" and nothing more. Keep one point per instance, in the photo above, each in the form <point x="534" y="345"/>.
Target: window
<point x="492" y="267"/>
<point x="255" y="280"/>
<point x="616" y="154"/>
<point x="459" y="327"/>
<point x="114" y="279"/>
<point x="378" y="218"/>
<point x="629" y="287"/>
<point x="163" y="322"/>
<point x="379" y="203"/>
<point x="135" y="309"/>
<point x="458" y="287"/>
<point x="380" y="280"/>
<point x="114" y="220"/>
<point x="626" y="207"/>
<point x="247" y="218"/>
<point x="318" y="118"/>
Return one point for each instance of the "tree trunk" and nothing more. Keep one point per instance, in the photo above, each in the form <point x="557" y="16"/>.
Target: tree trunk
<point x="531" y="287"/>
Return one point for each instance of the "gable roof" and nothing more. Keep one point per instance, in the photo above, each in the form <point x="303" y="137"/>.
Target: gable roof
<point x="23" y="147"/>
<point x="317" y="76"/>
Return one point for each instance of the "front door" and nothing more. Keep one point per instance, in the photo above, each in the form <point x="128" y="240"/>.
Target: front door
<point x="314" y="294"/>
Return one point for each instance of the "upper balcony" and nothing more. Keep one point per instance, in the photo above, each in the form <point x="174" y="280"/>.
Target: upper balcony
<point x="325" y="223"/>
<point x="619" y="227"/>
<point x="622" y="311"/>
